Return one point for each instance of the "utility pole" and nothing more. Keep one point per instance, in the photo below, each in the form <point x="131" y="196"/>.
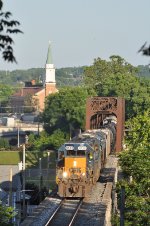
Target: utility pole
<point x="10" y="187"/>
<point x="23" y="168"/>
<point x="38" y="119"/>
<point x="38" y="127"/>
<point x="48" y="155"/>
<point x="70" y="129"/>
<point x="18" y="137"/>
<point x="40" y="182"/>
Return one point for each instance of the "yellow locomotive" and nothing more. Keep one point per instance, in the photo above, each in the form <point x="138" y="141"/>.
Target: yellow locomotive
<point x="81" y="159"/>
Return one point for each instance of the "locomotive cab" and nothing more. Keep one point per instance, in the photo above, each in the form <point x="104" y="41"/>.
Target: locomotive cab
<point x="74" y="169"/>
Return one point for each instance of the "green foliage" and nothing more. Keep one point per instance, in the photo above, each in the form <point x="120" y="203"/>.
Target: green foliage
<point x="139" y="131"/>
<point x="135" y="163"/>
<point x="118" y="78"/>
<point x="66" y="109"/>
<point x="115" y="220"/>
<point x="7" y="27"/>
<point x="4" y="143"/>
<point x="38" y="142"/>
<point x="57" y="139"/>
<point x="5" y="92"/>
<point x="95" y="75"/>
<point x="64" y="112"/>
<point x="137" y="211"/>
<point x="137" y="205"/>
<point x="71" y="76"/>
<point x="6" y="214"/>
<point x="46" y="141"/>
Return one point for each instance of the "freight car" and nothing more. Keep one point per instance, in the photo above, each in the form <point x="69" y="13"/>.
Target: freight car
<point x="81" y="160"/>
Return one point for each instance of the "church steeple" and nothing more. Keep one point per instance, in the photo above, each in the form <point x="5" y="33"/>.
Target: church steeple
<point x="50" y="69"/>
<point x="49" y="55"/>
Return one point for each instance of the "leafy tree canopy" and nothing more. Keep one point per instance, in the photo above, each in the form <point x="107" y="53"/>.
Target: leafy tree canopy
<point x="46" y="141"/>
<point x="4" y="143"/>
<point x="7" y="28"/>
<point x="71" y="76"/>
<point x="6" y="213"/>
<point x="135" y="160"/>
<point x="66" y="109"/>
<point x="5" y="91"/>
<point x="118" y="78"/>
<point x="96" y="74"/>
<point x="139" y="131"/>
<point x="135" y="163"/>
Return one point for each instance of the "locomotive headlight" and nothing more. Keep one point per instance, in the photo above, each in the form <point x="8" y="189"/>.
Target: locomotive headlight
<point x="83" y="174"/>
<point x="64" y="174"/>
<point x="74" y="163"/>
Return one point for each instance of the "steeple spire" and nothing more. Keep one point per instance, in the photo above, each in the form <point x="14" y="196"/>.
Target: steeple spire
<point x="50" y="69"/>
<point x="49" y="55"/>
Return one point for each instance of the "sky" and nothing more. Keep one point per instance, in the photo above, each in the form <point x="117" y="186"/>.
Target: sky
<point x="79" y="31"/>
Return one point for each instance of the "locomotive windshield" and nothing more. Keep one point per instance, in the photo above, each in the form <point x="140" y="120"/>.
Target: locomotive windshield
<point x="75" y="149"/>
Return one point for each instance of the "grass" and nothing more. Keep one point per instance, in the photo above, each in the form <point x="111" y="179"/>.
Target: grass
<point x="32" y="159"/>
<point x="9" y="158"/>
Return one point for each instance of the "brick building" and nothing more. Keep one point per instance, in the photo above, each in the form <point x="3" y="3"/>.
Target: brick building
<point x="35" y="95"/>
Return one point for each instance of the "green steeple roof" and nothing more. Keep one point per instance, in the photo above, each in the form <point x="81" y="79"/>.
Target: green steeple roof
<point x="49" y="55"/>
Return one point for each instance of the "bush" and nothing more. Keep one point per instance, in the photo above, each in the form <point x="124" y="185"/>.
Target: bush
<point x="4" y="143"/>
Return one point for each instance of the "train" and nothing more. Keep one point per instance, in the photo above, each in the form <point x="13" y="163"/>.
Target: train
<point x="81" y="160"/>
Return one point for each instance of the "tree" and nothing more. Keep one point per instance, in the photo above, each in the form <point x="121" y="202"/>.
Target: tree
<point x="135" y="164"/>
<point x="6" y="214"/>
<point x="118" y="78"/>
<point x="139" y="131"/>
<point x="96" y="74"/>
<point x="135" y="160"/>
<point x="4" y="143"/>
<point x="7" y="27"/>
<point x="5" y="92"/>
<point x="65" y="110"/>
<point x="145" y="50"/>
<point x="64" y="114"/>
<point x="46" y="141"/>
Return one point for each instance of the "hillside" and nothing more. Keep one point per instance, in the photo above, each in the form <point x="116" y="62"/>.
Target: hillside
<point x="71" y="76"/>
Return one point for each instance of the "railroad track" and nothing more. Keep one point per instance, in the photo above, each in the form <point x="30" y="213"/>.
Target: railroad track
<point x="65" y="213"/>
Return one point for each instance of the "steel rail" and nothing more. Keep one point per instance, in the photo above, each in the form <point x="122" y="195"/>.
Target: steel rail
<point x="57" y="209"/>
<point x="55" y="212"/>
<point x="75" y="214"/>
